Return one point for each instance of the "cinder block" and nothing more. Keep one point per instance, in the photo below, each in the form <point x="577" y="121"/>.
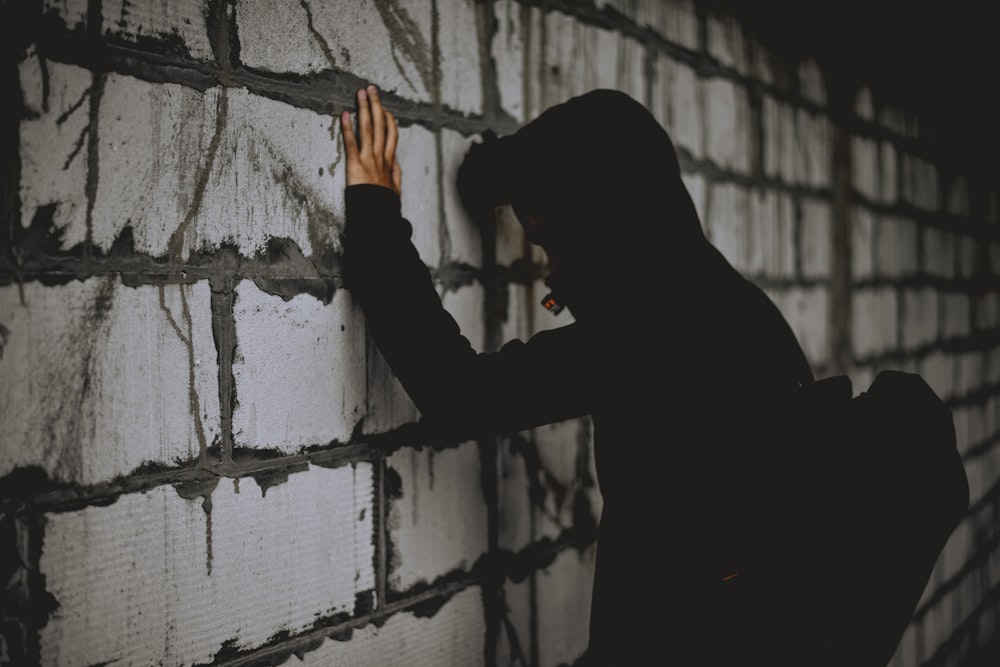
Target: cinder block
<point x="157" y="578"/>
<point x="780" y="140"/>
<point x="73" y="13"/>
<point x="421" y="195"/>
<point x="299" y="370"/>
<point x="577" y="58"/>
<point x="517" y="43"/>
<point x="726" y="41"/>
<point x="864" y="167"/>
<point x="100" y="378"/>
<point x="730" y="227"/>
<point x="986" y="311"/>
<point x="888" y="181"/>
<point x="957" y="196"/>
<point x="918" y="181"/>
<point x="816" y="238"/>
<point x="676" y="104"/>
<point x="807" y="313"/>
<point x="864" y="107"/>
<point x="437" y="520"/>
<point x="460" y="238"/>
<point x="54" y="141"/>
<point x="939" y="253"/>
<point x="811" y="83"/>
<point x="727" y="124"/>
<point x="388" y="404"/>
<point x="956" y="317"/>
<point x="391" y="45"/>
<point x="675" y="20"/>
<point x="968" y="260"/>
<point x="563" y="599"/>
<point x="515" y="507"/>
<point x="191" y="171"/>
<point x="453" y="636"/>
<point x="812" y="149"/>
<point x="862" y="243"/>
<point x="180" y="24"/>
<point x="920" y="317"/>
<point x="895" y="247"/>
<point x="514" y="638"/>
<point x="774" y="223"/>
<point x="938" y="369"/>
<point x="874" y="321"/>
<point x="696" y="186"/>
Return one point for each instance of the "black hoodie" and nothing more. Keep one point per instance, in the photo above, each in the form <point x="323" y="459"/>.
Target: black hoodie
<point x="682" y="364"/>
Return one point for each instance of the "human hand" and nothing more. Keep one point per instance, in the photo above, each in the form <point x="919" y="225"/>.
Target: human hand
<point x="371" y="155"/>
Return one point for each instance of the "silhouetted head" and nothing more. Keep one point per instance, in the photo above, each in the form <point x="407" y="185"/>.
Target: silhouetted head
<point x="595" y="181"/>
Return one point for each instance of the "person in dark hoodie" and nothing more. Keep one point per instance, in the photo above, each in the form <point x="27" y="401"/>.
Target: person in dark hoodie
<point x="683" y="365"/>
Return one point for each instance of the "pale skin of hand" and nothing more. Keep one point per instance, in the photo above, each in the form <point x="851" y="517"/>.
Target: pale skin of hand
<point x="371" y="155"/>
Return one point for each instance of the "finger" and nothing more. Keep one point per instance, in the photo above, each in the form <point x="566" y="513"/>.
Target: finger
<point x="397" y="176"/>
<point x="350" y="141"/>
<point x="378" y="121"/>
<point x="391" y="137"/>
<point x="364" y="123"/>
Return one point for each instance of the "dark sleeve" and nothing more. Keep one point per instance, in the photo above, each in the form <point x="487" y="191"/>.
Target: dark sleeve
<point x="456" y="389"/>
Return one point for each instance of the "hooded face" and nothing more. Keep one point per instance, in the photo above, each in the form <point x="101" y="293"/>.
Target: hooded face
<point x="596" y="183"/>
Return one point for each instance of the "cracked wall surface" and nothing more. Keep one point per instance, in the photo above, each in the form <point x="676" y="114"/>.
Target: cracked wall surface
<point x="206" y="461"/>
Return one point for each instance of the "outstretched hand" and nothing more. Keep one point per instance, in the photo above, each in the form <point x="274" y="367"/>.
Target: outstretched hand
<point x="371" y="155"/>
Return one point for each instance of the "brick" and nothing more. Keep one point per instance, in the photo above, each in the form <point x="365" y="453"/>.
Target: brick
<point x="516" y="43"/>
<point x="730" y="227"/>
<point x="864" y="167"/>
<point x="806" y="313"/>
<point x="100" y="378"/>
<point x="888" y="181"/>
<point x="298" y="370"/>
<point x="874" y="320"/>
<point x="956" y="317"/>
<point x="811" y="83"/>
<point x="389" y="46"/>
<point x="918" y="180"/>
<point x="437" y="522"/>
<point x="565" y="449"/>
<point x="576" y="58"/>
<point x="563" y="599"/>
<point x="815" y="234"/>
<point x="453" y="636"/>
<point x="460" y="237"/>
<point x="727" y="124"/>
<point x="263" y="170"/>
<point x="812" y="149"/>
<point x="726" y="41"/>
<point x="182" y="24"/>
<point x="780" y="139"/>
<point x="919" y="317"/>
<point x="155" y="578"/>
<point x="938" y="369"/>
<point x="895" y="247"/>
<point x="676" y="20"/>
<point x="421" y="196"/>
<point x="54" y="142"/>
<point x="774" y="220"/>
<point x="862" y="244"/>
<point x="986" y="311"/>
<point x="676" y="104"/>
<point x="939" y="253"/>
<point x="863" y="105"/>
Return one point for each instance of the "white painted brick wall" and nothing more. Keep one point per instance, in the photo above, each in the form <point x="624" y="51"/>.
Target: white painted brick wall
<point x="938" y="369"/>
<point x="864" y="167"/>
<point x="939" y="253"/>
<point x="454" y="636"/>
<point x="956" y="321"/>
<point x="515" y="524"/>
<point x="862" y="243"/>
<point x="420" y="203"/>
<point x="178" y="22"/>
<point x="676" y="20"/>
<point x="438" y="524"/>
<point x="510" y="48"/>
<point x="299" y="370"/>
<point x="888" y="181"/>
<point x="563" y="592"/>
<point x="806" y="312"/>
<point x="780" y="140"/>
<point x="773" y="217"/>
<point x="919" y="182"/>
<point x="99" y="378"/>
<point x="729" y="227"/>
<point x="726" y="42"/>
<point x="133" y="581"/>
<point x="812" y="149"/>
<point x="54" y="145"/>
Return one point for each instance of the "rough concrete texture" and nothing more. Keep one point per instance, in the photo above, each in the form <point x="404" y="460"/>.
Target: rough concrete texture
<point x="919" y="326"/>
<point x="677" y="104"/>
<point x="805" y="310"/>
<point x="815" y="231"/>
<point x="862" y="234"/>
<point x="179" y="22"/>
<point x="727" y="124"/>
<point x="452" y="636"/>
<point x="939" y="253"/>
<point x="895" y="247"/>
<point x="168" y="577"/>
<point x="511" y="51"/>
<point x="299" y="370"/>
<point x="874" y="319"/>
<point x="437" y="519"/>
<point x="100" y="378"/>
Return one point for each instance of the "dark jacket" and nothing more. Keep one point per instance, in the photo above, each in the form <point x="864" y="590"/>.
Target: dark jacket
<point x="681" y="362"/>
